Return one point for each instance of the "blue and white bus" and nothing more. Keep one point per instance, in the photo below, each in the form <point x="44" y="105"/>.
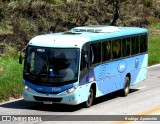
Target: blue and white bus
<point x="84" y="63"/>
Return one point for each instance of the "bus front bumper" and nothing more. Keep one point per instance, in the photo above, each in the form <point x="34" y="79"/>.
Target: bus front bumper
<point x="61" y="98"/>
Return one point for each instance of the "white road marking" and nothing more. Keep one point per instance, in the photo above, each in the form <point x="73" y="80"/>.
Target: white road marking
<point x="157" y="65"/>
<point x="140" y="88"/>
<point x="15" y="100"/>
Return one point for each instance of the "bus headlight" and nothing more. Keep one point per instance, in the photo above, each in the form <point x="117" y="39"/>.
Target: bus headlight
<point x="71" y="90"/>
<point x="26" y="88"/>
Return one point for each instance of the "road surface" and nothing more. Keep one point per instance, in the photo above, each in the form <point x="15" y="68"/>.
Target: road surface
<point x="144" y="99"/>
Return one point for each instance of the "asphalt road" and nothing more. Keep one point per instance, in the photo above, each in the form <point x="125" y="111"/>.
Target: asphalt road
<point x="144" y="99"/>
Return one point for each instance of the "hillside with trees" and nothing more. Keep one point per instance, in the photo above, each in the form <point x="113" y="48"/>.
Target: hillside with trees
<point x="20" y="20"/>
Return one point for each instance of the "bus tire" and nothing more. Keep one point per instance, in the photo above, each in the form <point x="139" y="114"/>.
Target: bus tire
<point x="90" y="99"/>
<point x="126" y="86"/>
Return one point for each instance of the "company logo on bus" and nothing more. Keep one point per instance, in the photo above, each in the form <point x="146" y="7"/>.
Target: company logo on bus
<point x="122" y="66"/>
<point x="56" y="89"/>
<point x="39" y="89"/>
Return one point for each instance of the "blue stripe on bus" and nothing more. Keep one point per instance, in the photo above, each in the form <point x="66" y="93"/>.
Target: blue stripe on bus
<point x="110" y="77"/>
<point x="48" y="89"/>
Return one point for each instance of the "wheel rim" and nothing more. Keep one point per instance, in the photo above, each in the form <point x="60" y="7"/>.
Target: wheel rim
<point x="126" y="90"/>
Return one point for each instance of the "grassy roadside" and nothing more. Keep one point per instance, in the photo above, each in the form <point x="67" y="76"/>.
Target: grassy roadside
<point x="10" y="76"/>
<point x="154" y="50"/>
<point x="154" y="41"/>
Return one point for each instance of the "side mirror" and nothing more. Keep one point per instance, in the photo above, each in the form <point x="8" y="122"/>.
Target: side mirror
<point x="20" y="58"/>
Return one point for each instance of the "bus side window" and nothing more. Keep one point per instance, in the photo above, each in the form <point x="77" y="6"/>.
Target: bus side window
<point x="84" y="59"/>
<point x="143" y="43"/>
<point x="106" y="51"/>
<point x="135" y="45"/>
<point x="116" y="49"/>
<point x="95" y="53"/>
<point x="126" y="47"/>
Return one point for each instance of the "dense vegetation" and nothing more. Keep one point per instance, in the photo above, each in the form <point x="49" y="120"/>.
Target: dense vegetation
<point x="20" y="20"/>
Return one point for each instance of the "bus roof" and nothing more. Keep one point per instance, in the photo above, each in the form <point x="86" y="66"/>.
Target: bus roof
<point x="77" y="36"/>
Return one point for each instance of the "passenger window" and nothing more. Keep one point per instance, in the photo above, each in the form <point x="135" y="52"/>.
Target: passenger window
<point x="95" y="53"/>
<point x="126" y="47"/>
<point x="84" y="57"/>
<point x="116" y="49"/>
<point x="135" y="45"/>
<point x="84" y="61"/>
<point x="106" y="50"/>
<point x="143" y="43"/>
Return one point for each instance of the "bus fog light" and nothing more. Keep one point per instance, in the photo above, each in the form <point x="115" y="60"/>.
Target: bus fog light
<point x="71" y="99"/>
<point x="71" y="90"/>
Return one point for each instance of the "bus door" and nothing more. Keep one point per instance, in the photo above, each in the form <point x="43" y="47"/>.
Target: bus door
<point x="84" y="70"/>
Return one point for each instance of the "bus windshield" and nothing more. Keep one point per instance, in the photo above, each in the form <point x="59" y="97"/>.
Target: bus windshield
<point x="51" y="66"/>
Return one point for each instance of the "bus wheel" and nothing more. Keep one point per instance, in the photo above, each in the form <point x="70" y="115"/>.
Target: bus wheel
<point x="126" y="86"/>
<point x="89" y="102"/>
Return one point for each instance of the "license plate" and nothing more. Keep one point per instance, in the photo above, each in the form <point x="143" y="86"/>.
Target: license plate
<point x="48" y="103"/>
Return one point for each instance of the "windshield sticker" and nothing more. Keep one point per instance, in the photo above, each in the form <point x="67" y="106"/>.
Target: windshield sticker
<point x="51" y="73"/>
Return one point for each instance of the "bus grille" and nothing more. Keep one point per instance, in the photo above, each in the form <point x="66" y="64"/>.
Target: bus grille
<point x="47" y="99"/>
